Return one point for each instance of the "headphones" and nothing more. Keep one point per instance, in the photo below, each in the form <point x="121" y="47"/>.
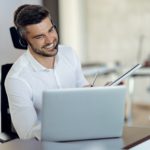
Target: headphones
<point x="21" y="39"/>
<point x="18" y="41"/>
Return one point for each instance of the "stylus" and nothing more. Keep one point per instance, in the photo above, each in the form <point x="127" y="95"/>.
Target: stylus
<point x="94" y="79"/>
<point x="125" y="75"/>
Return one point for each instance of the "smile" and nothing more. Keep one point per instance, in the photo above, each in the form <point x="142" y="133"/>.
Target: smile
<point x="50" y="46"/>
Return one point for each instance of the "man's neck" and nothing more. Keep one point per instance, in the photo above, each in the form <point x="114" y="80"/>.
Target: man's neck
<point x="47" y="62"/>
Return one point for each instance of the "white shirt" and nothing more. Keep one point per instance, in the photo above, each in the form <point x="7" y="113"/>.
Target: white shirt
<point x="26" y="81"/>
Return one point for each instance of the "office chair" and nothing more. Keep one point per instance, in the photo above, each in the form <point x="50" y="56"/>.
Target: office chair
<point x="8" y="132"/>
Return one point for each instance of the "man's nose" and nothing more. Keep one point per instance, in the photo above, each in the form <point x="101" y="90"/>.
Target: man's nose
<point x="48" y="39"/>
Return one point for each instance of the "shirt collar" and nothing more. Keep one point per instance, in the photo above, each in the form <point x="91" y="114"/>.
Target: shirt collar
<point x="36" y="65"/>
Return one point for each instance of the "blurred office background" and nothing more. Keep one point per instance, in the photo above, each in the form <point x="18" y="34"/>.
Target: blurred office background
<point x="99" y="30"/>
<point x="102" y="32"/>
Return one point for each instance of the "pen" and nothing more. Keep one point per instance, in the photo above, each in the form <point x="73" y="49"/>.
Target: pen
<point x="94" y="79"/>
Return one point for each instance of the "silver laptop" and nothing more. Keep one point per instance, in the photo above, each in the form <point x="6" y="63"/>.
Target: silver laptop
<point x="83" y="113"/>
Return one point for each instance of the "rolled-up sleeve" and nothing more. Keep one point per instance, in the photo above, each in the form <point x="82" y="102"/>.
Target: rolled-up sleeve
<point x="23" y="113"/>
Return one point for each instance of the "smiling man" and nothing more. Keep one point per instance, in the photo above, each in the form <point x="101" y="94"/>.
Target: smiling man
<point x="45" y="65"/>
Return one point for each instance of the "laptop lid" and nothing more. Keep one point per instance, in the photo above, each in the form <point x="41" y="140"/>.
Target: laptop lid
<point x="83" y="113"/>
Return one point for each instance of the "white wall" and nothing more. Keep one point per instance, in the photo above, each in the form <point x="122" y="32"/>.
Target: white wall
<point x="117" y="30"/>
<point x="8" y="53"/>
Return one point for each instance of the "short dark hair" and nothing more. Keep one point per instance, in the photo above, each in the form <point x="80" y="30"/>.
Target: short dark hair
<point x="28" y="15"/>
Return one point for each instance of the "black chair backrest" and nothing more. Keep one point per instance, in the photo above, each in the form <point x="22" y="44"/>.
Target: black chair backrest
<point x="6" y="123"/>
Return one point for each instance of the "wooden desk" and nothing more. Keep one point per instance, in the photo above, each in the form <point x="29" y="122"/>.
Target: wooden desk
<point x="130" y="135"/>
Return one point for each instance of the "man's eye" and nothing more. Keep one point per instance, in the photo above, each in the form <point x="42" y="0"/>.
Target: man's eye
<point x="39" y="37"/>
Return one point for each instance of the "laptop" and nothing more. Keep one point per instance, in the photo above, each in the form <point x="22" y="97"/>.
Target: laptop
<point x="83" y="113"/>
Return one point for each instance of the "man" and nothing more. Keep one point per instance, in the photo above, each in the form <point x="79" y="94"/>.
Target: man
<point x="45" y="65"/>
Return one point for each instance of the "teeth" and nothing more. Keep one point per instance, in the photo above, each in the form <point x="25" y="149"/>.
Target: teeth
<point x="50" y="46"/>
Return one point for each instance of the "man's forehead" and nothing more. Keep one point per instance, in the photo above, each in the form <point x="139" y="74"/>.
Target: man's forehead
<point x="44" y="25"/>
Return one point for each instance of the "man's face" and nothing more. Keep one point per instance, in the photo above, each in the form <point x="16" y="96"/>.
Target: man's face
<point x="42" y="38"/>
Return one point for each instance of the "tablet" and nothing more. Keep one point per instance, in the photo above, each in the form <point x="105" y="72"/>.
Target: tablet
<point x="125" y="75"/>
<point x="142" y="144"/>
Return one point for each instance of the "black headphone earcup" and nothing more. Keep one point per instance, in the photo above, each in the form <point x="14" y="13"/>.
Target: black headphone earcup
<point x="17" y="40"/>
<point x="23" y="42"/>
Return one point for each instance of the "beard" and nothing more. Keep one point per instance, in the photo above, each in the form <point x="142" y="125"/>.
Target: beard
<point x="44" y="51"/>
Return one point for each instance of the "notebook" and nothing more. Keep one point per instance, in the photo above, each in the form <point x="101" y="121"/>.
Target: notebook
<point x="83" y="113"/>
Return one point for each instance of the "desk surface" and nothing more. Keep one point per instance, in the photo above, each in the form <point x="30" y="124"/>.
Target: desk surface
<point x="130" y="135"/>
